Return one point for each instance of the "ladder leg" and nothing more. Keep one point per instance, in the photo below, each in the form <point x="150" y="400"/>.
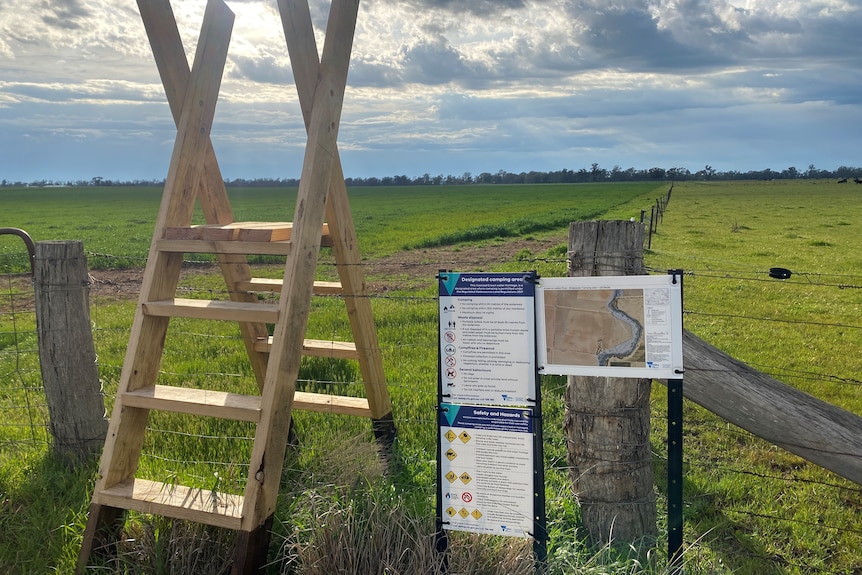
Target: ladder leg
<point x="251" y="549"/>
<point x="173" y="65"/>
<point x="384" y="432"/>
<point x="101" y="534"/>
<point x="299" y="33"/>
<point x="297" y="287"/>
<point x="146" y="344"/>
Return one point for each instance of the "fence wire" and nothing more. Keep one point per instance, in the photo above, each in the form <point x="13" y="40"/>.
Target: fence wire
<point x="198" y="352"/>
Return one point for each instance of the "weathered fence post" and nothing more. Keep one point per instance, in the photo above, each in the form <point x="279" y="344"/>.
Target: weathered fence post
<point x="607" y="421"/>
<point x="651" y="223"/>
<point x="66" y="351"/>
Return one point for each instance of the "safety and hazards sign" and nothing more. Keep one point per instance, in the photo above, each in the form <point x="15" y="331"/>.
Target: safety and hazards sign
<point x="487" y="466"/>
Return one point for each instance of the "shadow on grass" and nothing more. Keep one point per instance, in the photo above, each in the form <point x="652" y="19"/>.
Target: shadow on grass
<point x="43" y="510"/>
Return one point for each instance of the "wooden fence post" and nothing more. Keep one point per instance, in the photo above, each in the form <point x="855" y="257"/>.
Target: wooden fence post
<point x="607" y="420"/>
<point x="66" y="351"/>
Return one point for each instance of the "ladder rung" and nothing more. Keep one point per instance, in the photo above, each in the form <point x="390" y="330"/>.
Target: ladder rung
<point x="274" y="286"/>
<point x="250" y="312"/>
<point x="316" y="347"/>
<point x="176" y="501"/>
<point x="196" y="402"/>
<point x="331" y="403"/>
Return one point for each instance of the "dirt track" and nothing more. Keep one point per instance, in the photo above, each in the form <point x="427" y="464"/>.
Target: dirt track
<point x="405" y="269"/>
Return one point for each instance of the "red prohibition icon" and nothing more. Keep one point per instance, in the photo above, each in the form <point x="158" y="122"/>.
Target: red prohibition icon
<point x="449" y="336"/>
<point x="466" y="497"/>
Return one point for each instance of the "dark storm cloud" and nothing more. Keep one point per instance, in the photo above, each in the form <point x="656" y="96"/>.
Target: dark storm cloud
<point x="631" y="39"/>
<point x="436" y="62"/>
<point x="703" y="34"/>
<point x="64" y="13"/>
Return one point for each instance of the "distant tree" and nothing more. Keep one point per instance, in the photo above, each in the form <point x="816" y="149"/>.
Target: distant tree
<point x="678" y="174"/>
<point x="848" y="172"/>
<point x="598" y="174"/>
<point x="813" y="173"/>
<point x="657" y="173"/>
<point x="790" y="173"/>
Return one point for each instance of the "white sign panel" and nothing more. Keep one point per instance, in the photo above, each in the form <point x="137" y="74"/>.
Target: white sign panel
<point x="486" y="469"/>
<point x="628" y="326"/>
<point x="487" y="338"/>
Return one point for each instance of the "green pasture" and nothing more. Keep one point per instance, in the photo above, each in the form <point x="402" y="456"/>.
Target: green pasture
<point x="750" y="507"/>
<point x="118" y="221"/>
<point x="747" y="499"/>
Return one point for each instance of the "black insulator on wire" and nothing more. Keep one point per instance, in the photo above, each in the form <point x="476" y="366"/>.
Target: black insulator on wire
<point x="780" y="273"/>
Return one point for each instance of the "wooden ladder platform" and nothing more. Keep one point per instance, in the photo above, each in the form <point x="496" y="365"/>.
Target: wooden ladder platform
<point x="273" y="331"/>
<point x="236" y="231"/>
<point x="242" y="238"/>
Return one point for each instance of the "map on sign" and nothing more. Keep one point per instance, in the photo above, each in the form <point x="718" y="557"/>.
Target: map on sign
<point x="596" y="327"/>
<point x="611" y="326"/>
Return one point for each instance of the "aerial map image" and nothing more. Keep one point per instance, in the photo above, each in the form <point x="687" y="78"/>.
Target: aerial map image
<point x="595" y="327"/>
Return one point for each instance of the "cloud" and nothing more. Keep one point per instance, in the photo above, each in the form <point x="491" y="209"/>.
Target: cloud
<point x="453" y="85"/>
<point x="64" y="14"/>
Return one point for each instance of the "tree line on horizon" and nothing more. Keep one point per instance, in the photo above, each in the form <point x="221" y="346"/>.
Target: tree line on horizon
<point x="565" y="176"/>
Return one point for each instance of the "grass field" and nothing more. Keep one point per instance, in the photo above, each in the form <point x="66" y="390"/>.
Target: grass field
<point x="119" y="221"/>
<point x="750" y="508"/>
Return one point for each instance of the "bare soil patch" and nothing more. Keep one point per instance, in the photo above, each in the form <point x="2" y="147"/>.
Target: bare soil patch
<point x="404" y="270"/>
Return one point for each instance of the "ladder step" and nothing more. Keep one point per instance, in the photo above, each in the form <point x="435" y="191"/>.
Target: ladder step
<point x="274" y="286"/>
<point x="331" y="403"/>
<point x="235" y="406"/>
<point x="196" y="402"/>
<point x="317" y="348"/>
<point x="176" y="501"/>
<point x="213" y="309"/>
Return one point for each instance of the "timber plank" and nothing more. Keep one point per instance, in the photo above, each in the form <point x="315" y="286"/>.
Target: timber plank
<point x="126" y="429"/>
<point x="787" y="417"/>
<point x="281" y="248"/>
<point x="275" y="285"/>
<point x="212" y="309"/>
<point x="306" y="66"/>
<point x="331" y="403"/>
<point x="317" y="348"/>
<point x="300" y="268"/>
<point x="176" y="501"/>
<point x="195" y="401"/>
<point x="236" y="231"/>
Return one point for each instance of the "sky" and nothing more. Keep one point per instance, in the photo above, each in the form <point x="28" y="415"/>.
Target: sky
<point x="448" y="87"/>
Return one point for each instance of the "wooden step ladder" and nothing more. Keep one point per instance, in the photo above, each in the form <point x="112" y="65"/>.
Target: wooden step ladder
<point x="322" y="218"/>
